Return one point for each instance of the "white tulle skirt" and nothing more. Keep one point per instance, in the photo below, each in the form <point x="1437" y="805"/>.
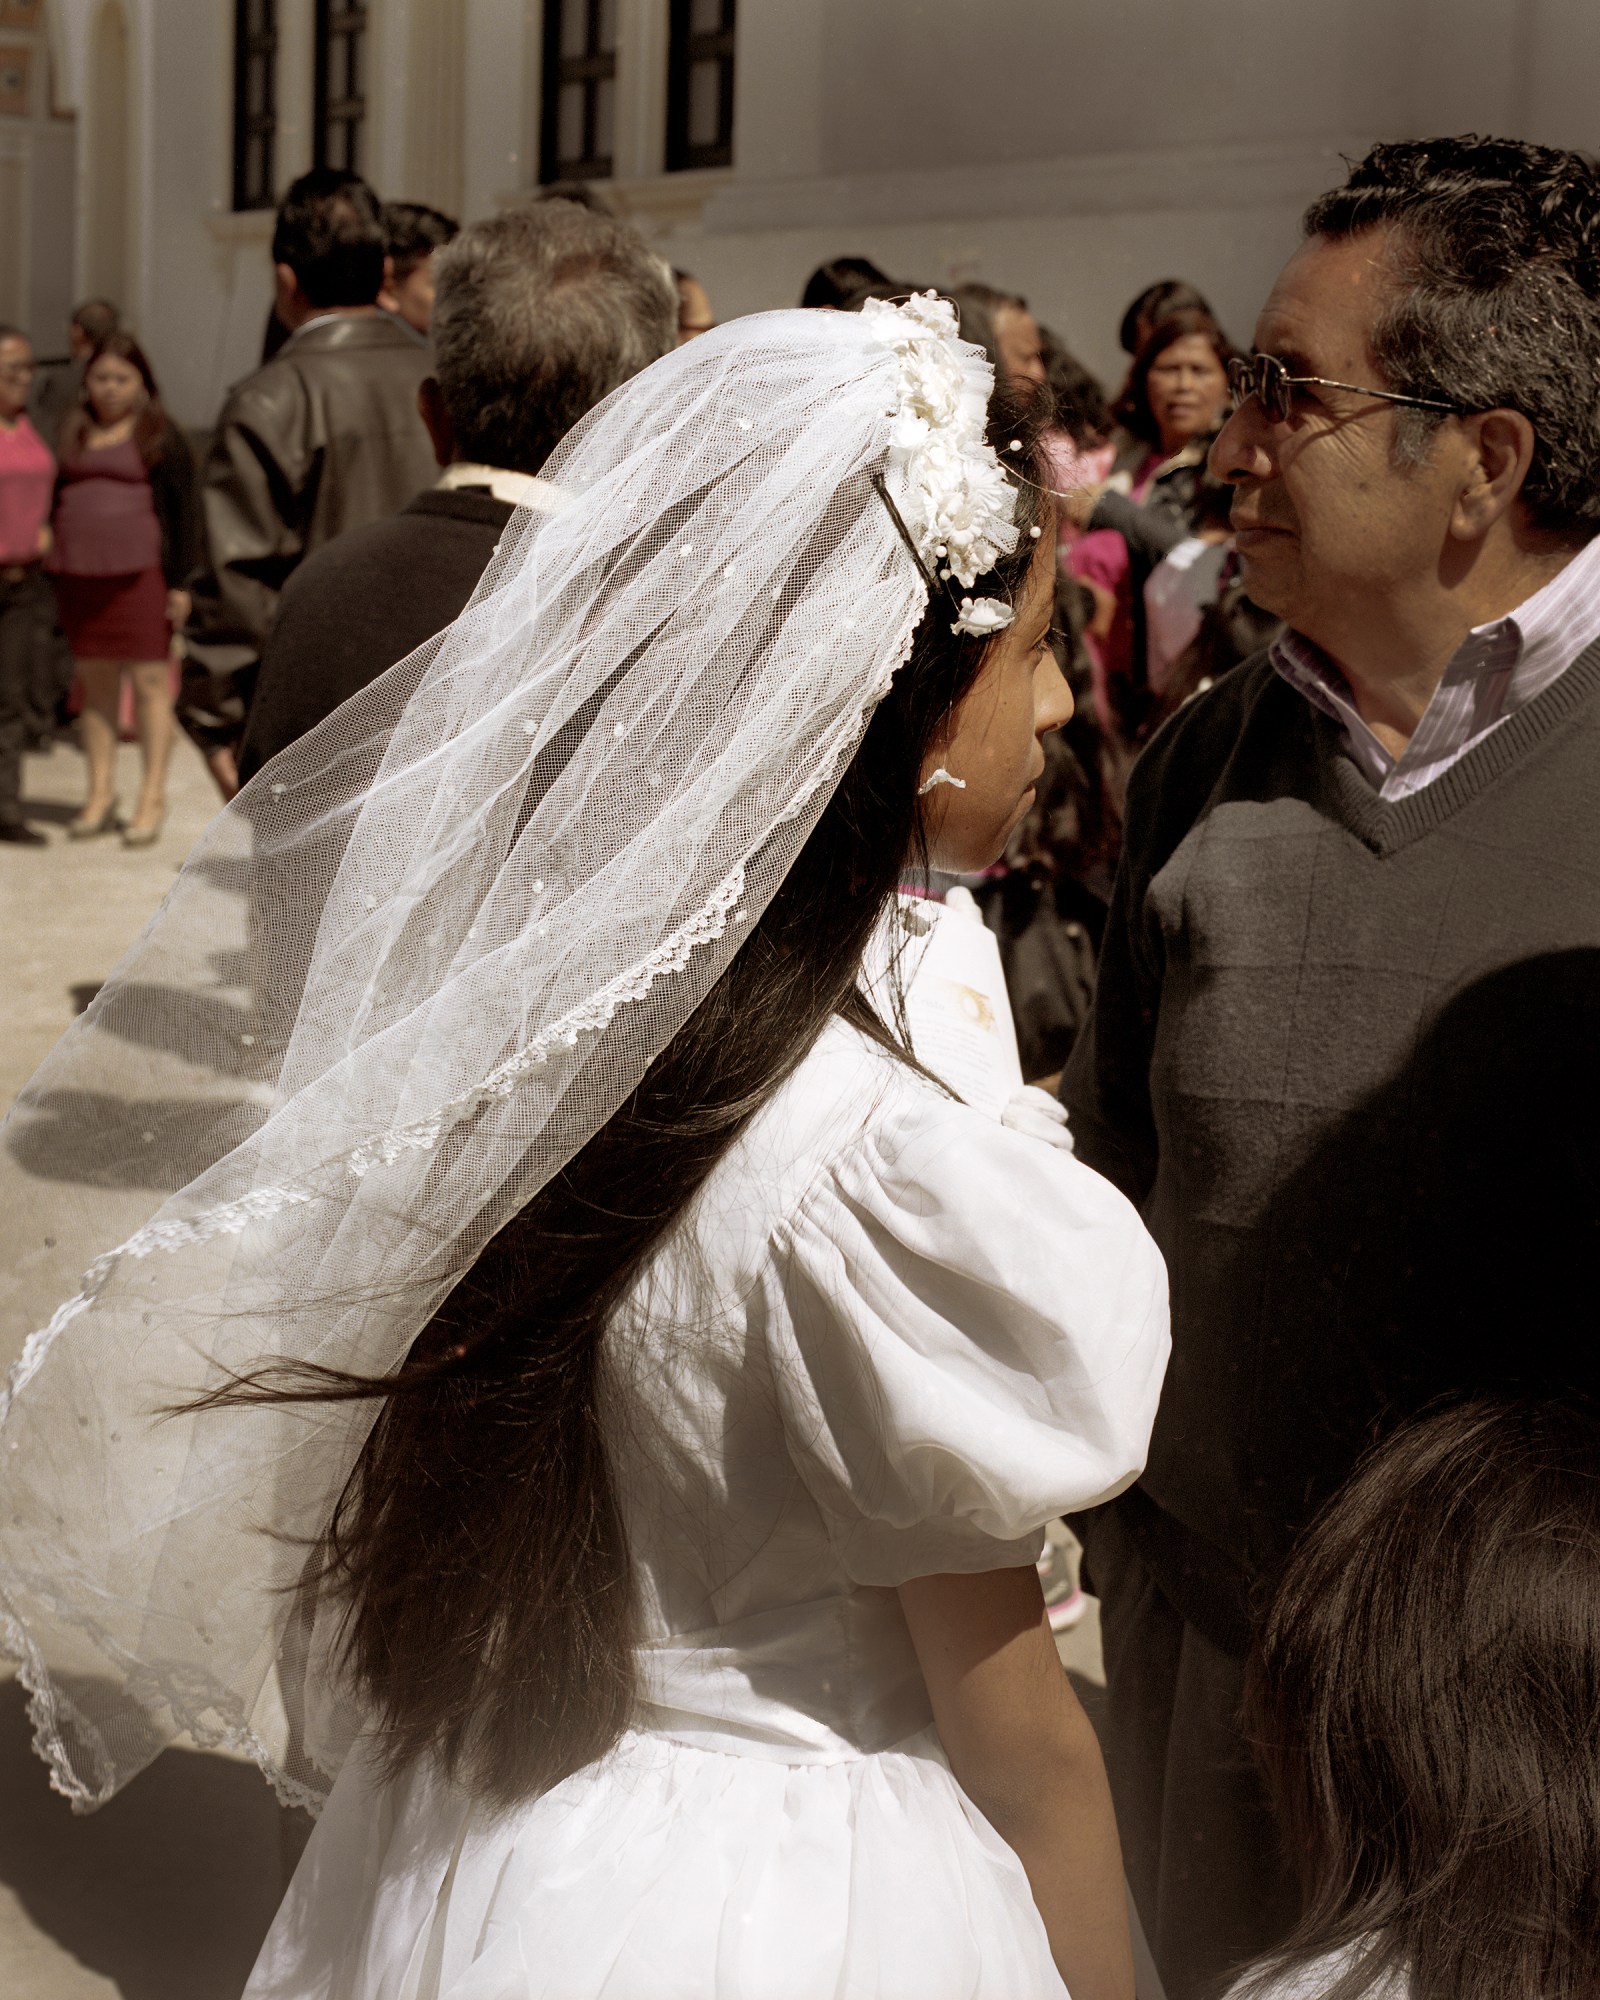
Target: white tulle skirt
<point x="668" y="1872"/>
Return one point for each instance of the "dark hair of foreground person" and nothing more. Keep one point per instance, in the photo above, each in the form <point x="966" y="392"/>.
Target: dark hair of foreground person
<point x="483" y="1504"/>
<point x="1424" y="1701"/>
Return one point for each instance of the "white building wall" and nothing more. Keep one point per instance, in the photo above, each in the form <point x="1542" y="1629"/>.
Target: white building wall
<point x="501" y="89"/>
<point x="37" y="198"/>
<point x="195" y="285"/>
<point x="1070" y="149"/>
<point x="53" y="225"/>
<point x="1074" y="150"/>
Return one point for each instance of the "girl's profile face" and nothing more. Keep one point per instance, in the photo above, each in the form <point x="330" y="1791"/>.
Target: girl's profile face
<point x="115" y="389"/>
<point x="992" y="739"/>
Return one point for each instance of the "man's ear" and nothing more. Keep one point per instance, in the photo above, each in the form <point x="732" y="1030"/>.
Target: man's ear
<point x="1501" y="446"/>
<point x="294" y="308"/>
<point x="430" y="406"/>
<point x="388" y="299"/>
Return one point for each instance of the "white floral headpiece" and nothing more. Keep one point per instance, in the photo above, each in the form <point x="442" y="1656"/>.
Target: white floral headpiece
<point x="950" y="490"/>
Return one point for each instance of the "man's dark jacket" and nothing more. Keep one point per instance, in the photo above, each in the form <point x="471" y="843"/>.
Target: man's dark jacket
<point x="325" y="438"/>
<point x="353" y="609"/>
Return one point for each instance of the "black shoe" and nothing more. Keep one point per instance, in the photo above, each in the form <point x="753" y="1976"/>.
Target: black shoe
<point x="20" y="834"/>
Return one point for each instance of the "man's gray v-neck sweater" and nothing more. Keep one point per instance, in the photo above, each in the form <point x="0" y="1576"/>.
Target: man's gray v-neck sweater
<point x="1344" y="1056"/>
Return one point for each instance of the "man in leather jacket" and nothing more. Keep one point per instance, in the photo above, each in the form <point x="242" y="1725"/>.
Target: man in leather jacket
<point x="326" y="436"/>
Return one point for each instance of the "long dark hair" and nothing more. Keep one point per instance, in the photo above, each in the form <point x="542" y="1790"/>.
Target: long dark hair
<point x="152" y="425"/>
<point x="1132" y="407"/>
<point x="1424" y="1699"/>
<point x="478" y="1545"/>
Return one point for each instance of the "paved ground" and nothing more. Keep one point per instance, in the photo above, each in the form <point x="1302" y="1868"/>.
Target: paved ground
<point x="69" y="911"/>
<point x="166" y="1893"/>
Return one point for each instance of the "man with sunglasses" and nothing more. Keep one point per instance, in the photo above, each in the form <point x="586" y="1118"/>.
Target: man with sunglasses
<point x="1345" y="1049"/>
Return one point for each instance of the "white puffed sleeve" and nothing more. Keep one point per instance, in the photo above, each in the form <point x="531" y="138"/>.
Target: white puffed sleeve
<point x="968" y="1331"/>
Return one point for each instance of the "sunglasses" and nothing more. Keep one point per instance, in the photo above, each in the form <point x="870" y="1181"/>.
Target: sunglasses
<point x="1265" y="377"/>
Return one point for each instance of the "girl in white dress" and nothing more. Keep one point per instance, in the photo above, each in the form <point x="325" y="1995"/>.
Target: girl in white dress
<point x="614" y="1396"/>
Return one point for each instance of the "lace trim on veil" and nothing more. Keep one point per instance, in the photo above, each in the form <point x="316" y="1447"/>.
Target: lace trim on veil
<point x="47" y="1704"/>
<point x="232" y="1218"/>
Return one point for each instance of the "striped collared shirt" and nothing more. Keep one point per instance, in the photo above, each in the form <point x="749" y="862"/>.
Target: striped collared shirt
<point x="1497" y="669"/>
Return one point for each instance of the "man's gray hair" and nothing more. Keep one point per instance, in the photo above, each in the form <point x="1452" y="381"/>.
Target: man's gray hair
<point x="1493" y="300"/>
<point x="539" y="314"/>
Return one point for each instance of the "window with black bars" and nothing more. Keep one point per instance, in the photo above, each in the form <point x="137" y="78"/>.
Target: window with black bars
<point x="341" y="85"/>
<point x="700" y="85"/>
<point x="580" y="85"/>
<point x="255" y="104"/>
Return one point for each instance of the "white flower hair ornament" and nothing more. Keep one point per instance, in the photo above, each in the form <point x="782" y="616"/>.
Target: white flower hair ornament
<point x="982" y="617"/>
<point x="945" y="485"/>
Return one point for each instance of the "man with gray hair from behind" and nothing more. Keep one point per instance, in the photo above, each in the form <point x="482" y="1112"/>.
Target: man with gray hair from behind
<point x="540" y="313"/>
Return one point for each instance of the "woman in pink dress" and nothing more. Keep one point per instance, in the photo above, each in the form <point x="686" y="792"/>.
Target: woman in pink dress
<point x="26" y="613"/>
<point x="125" y="543"/>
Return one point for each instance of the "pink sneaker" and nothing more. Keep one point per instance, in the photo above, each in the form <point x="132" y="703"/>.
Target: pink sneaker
<point x="1064" y="1615"/>
<point x="1064" y="1602"/>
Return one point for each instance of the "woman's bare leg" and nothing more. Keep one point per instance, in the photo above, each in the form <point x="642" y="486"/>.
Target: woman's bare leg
<point x="152" y="687"/>
<point x="224" y="768"/>
<point x="101" y="681"/>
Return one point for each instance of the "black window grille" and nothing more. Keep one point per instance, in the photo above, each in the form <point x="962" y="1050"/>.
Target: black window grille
<point x="341" y="84"/>
<point x="255" y="103"/>
<point x="700" y="85"/>
<point x="578" y="118"/>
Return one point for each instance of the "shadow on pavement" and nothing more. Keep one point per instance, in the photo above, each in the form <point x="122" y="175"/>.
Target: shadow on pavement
<point x="94" y="1141"/>
<point x="210" y="1032"/>
<point x="51" y="812"/>
<point x="167" y="1891"/>
<point x="225" y="872"/>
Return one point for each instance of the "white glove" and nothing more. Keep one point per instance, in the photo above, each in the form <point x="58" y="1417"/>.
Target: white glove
<point x="1040" y="1115"/>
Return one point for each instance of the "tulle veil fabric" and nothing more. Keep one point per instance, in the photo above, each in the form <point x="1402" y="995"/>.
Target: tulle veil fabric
<point x="408" y="973"/>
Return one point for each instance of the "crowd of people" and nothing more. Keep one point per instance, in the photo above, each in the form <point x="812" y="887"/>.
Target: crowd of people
<point x="1253" y="702"/>
<point x="339" y="431"/>
<point x="117" y="544"/>
<point x="1151" y="607"/>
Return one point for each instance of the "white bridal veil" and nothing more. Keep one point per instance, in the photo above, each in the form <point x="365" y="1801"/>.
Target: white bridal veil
<point x="411" y="970"/>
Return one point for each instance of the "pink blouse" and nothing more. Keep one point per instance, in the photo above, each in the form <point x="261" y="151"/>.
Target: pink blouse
<point x="27" y="480"/>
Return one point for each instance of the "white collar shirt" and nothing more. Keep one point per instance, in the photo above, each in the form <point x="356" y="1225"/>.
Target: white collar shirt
<point x="517" y="489"/>
<point x="1496" y="670"/>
